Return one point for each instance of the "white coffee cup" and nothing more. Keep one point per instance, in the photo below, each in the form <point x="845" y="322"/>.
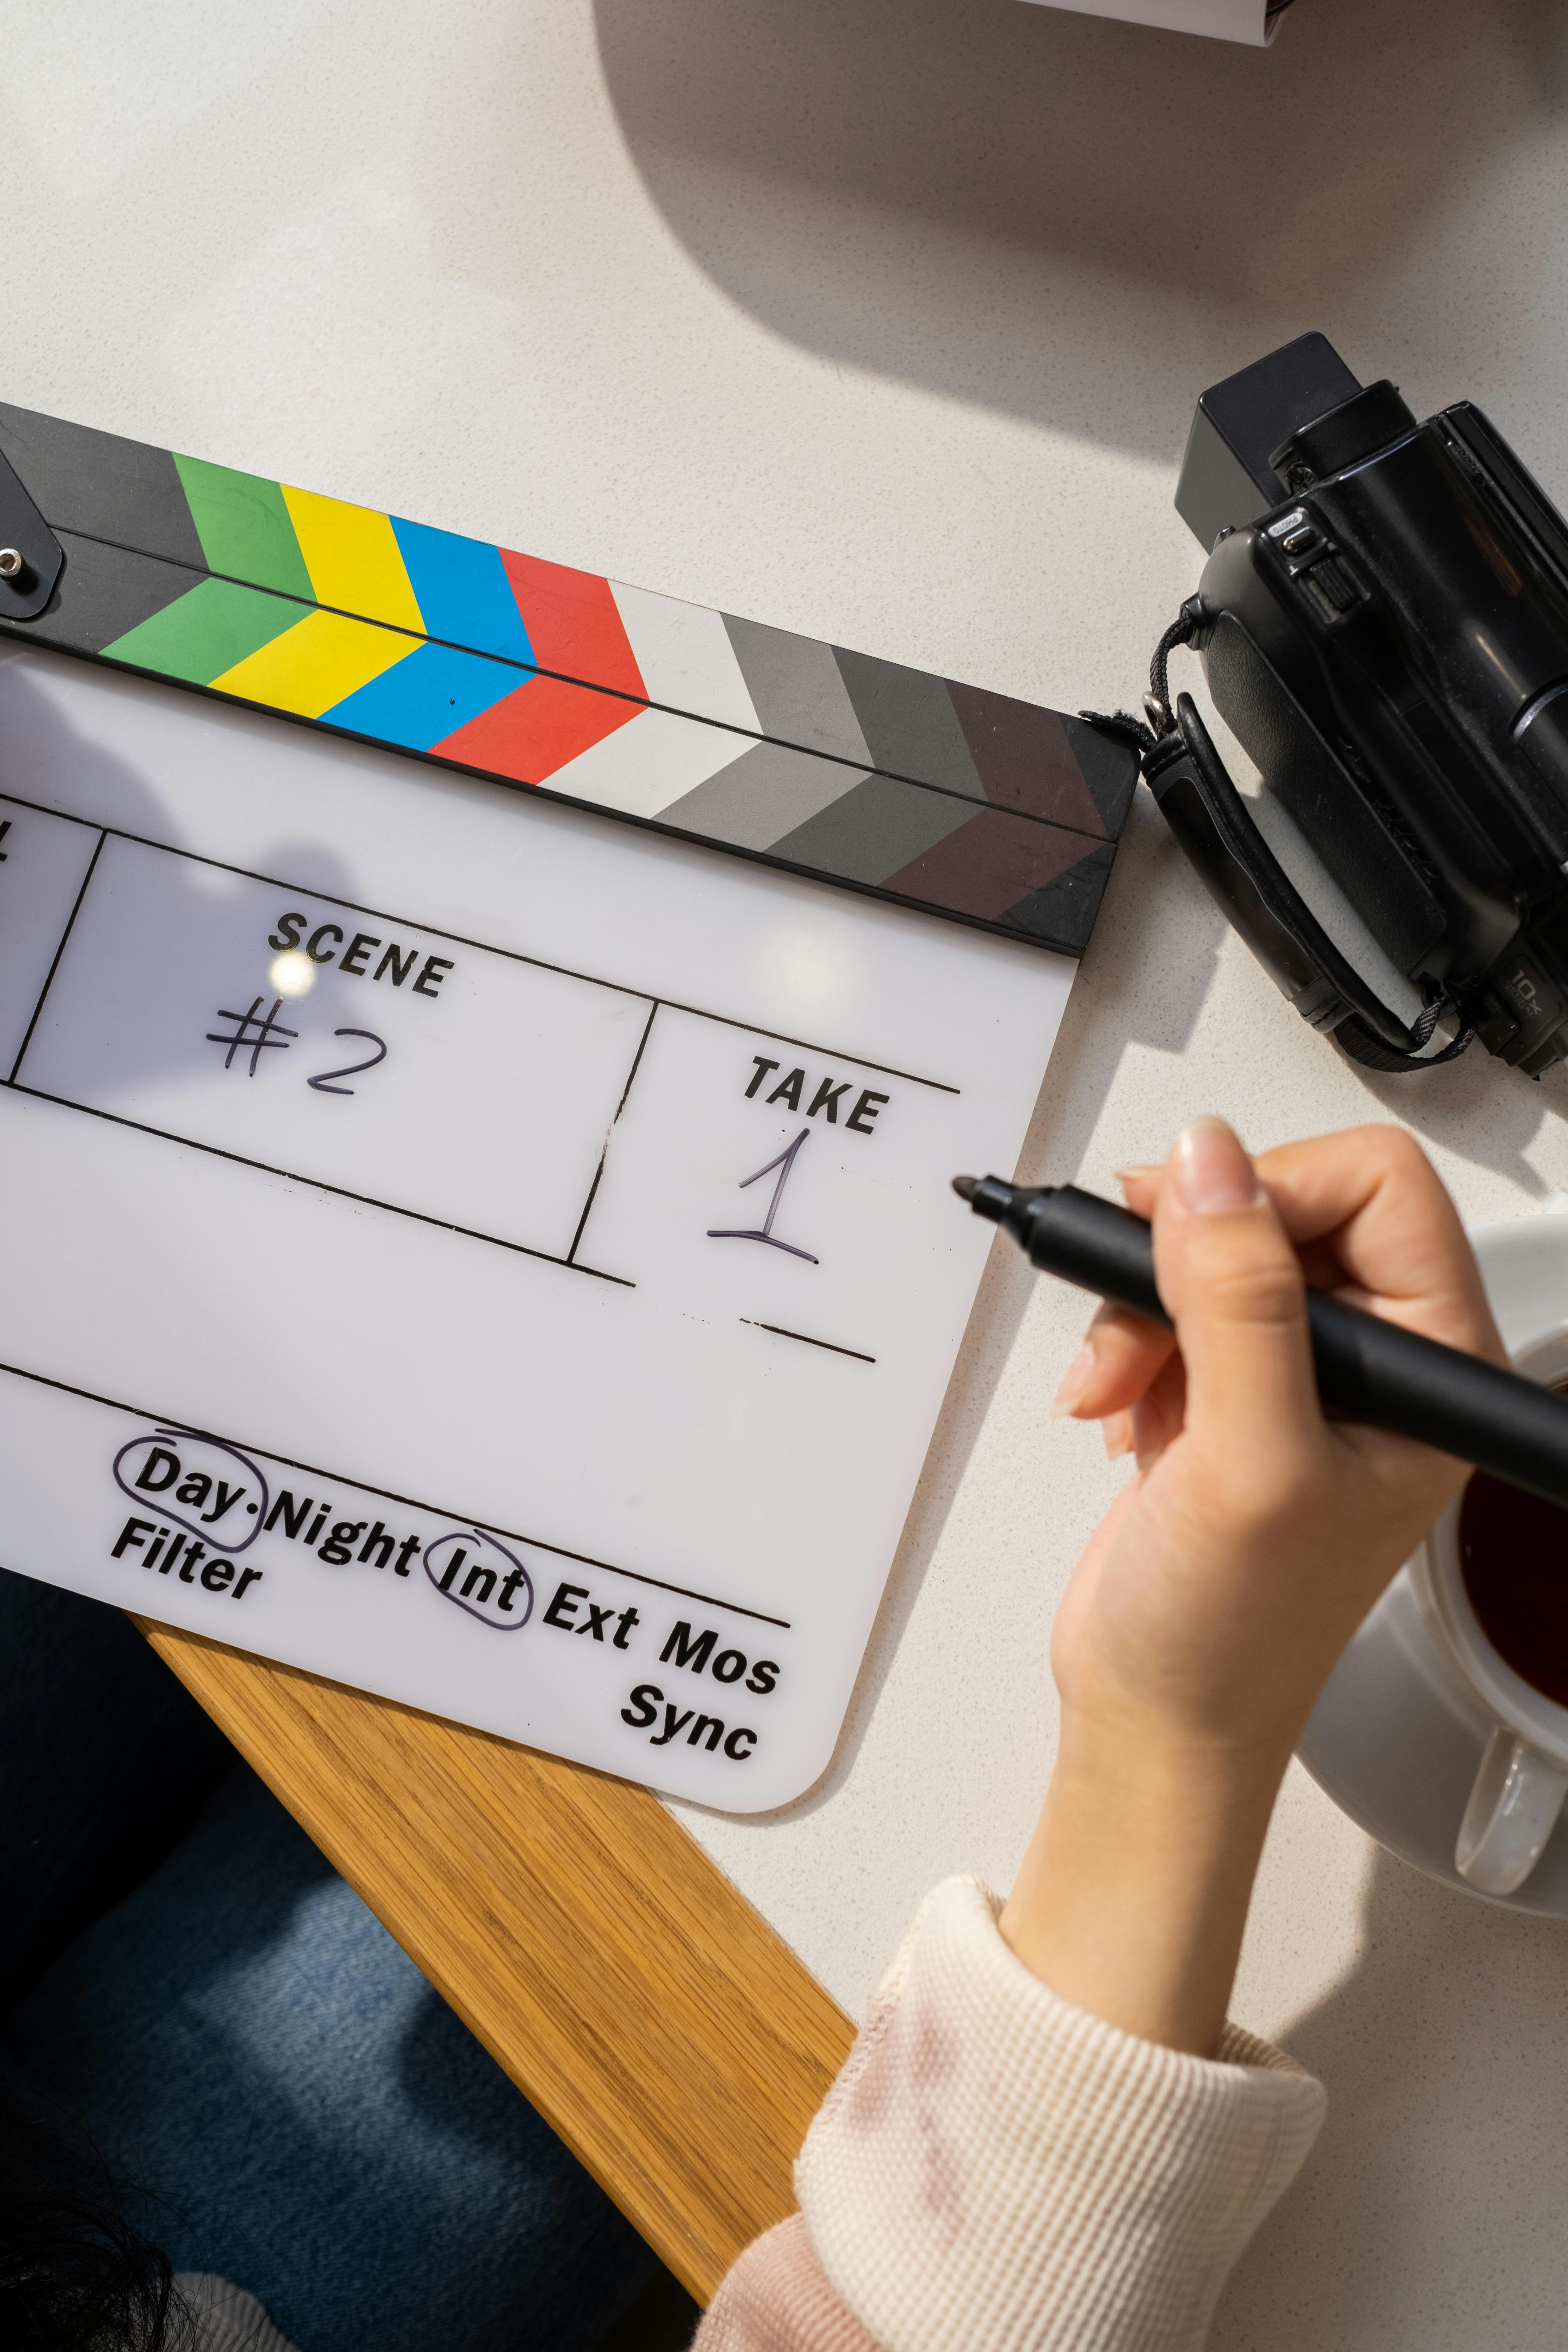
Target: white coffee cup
<point x="1523" y="1778"/>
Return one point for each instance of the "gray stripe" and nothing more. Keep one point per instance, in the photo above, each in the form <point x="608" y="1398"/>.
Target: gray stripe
<point x="769" y="790"/>
<point x="909" y="720"/>
<point x="796" y="686"/>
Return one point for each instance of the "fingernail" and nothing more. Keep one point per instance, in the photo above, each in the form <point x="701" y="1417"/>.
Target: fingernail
<point x="1075" y="1380"/>
<point x="1213" y="1176"/>
<point x="1117" y="1431"/>
<point x="1140" y="1168"/>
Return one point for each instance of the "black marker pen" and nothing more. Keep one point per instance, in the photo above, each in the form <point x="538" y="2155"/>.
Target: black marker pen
<point x="1368" y="1370"/>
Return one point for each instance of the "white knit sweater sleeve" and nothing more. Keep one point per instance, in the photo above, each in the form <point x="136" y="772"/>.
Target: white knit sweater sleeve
<point x="996" y="2167"/>
<point x="225" y="2318"/>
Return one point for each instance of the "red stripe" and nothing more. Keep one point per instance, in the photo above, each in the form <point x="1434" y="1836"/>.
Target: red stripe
<point x="572" y="623"/>
<point x="536" y="729"/>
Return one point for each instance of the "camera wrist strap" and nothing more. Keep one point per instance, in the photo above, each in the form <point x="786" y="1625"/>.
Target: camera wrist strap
<point x="1195" y="793"/>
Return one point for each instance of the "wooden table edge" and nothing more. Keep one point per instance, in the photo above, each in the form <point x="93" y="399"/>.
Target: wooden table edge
<point x="664" y="2030"/>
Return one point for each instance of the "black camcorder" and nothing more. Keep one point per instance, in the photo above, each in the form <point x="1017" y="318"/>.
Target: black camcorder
<point x="1383" y="621"/>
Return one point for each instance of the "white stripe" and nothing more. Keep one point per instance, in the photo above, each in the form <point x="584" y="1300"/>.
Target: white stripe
<point x="648" y="762"/>
<point x="685" y="656"/>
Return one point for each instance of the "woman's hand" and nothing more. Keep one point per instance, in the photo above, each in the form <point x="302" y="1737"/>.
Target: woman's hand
<point x="1219" y="1589"/>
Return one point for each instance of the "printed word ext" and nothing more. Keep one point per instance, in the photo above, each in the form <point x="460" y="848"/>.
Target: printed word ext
<point x="572" y="1611"/>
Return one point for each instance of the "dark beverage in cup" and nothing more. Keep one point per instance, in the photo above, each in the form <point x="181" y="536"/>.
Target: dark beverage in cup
<point x="1513" y="1554"/>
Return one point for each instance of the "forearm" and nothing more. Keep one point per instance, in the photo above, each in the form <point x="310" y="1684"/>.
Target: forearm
<point x="1132" y="1897"/>
<point x="1048" y="2137"/>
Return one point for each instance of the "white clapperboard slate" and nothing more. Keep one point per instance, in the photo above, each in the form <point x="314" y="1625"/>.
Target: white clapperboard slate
<point x="467" y="1247"/>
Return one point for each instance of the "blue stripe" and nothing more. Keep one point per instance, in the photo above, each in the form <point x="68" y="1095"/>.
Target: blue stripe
<point x="463" y="591"/>
<point x="424" y="698"/>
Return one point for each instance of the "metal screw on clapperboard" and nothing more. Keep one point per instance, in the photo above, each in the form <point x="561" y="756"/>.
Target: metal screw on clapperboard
<point x="31" y="557"/>
<point x="11" y="567"/>
<point x="31" y="563"/>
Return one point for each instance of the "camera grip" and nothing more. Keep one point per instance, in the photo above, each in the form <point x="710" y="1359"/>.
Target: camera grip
<point x="1195" y="794"/>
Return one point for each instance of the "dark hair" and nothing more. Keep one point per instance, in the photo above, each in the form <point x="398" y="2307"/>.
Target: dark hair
<point x="74" y="2275"/>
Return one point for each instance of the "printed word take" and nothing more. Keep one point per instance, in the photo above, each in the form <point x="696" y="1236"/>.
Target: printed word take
<point x="796" y="1092"/>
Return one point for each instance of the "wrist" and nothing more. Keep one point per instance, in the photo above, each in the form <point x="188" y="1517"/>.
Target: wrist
<point x="1132" y="1897"/>
<point x="1140" y="1757"/>
<point x="1199" y="1729"/>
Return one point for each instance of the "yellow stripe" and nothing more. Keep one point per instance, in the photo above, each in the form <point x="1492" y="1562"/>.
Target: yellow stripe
<point x="353" y="559"/>
<point x="315" y="664"/>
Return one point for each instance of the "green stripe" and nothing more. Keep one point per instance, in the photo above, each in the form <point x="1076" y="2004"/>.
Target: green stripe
<point x="205" y="632"/>
<point x="244" y="526"/>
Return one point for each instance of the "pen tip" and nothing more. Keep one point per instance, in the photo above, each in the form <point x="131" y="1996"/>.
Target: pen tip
<point x="966" y="1187"/>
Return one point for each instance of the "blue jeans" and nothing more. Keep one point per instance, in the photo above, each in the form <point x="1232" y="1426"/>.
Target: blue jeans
<point x="303" y="2114"/>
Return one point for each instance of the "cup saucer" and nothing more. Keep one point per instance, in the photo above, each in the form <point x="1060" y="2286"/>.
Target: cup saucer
<point x="1396" y="1737"/>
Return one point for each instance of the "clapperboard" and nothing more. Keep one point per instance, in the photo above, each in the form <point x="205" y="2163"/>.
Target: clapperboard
<point x="482" y="1053"/>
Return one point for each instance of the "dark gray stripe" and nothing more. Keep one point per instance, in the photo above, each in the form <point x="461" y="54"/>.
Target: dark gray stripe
<point x="876" y="830"/>
<point x="103" y="591"/>
<point x="82" y="479"/>
<point x="909" y="720"/>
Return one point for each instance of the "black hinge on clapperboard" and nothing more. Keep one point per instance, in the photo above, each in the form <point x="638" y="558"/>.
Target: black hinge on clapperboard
<point x="31" y="557"/>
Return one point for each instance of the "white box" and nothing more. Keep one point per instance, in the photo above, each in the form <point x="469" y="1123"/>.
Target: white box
<point x="1253" y="21"/>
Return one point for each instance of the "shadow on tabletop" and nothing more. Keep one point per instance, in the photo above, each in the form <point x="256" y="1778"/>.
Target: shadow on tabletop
<point x="1435" y="2191"/>
<point x="1057" y="217"/>
<point x="1477" y="1107"/>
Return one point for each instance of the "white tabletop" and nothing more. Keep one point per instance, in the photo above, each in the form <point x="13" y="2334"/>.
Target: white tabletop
<point x="884" y="322"/>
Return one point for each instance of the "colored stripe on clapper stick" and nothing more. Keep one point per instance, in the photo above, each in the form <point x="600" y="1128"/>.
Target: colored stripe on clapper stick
<point x="375" y="566"/>
<point x="378" y="682"/>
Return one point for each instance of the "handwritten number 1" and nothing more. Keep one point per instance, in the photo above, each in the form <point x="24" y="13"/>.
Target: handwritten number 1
<point x="764" y="1233"/>
<point x="323" y="1084"/>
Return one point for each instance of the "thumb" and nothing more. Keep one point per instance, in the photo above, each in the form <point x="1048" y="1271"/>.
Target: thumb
<point x="1233" y="1285"/>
